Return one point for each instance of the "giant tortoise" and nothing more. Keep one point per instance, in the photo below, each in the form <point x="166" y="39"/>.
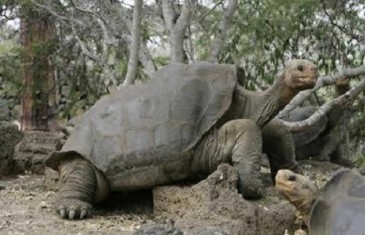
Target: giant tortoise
<point x="182" y="124"/>
<point x="318" y="141"/>
<point x="338" y="210"/>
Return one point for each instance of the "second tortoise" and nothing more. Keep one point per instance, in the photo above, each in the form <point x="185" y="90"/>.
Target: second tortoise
<point x="338" y="209"/>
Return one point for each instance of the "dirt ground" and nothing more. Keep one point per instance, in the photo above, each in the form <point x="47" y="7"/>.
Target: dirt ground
<point x="26" y="207"/>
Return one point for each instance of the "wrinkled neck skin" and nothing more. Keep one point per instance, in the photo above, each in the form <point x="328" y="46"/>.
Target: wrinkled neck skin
<point x="304" y="206"/>
<point x="261" y="106"/>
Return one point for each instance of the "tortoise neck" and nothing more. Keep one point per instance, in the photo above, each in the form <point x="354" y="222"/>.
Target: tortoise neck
<point x="259" y="106"/>
<point x="272" y="100"/>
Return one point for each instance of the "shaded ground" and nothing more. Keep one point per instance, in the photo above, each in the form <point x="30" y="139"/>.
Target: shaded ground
<point x="26" y="207"/>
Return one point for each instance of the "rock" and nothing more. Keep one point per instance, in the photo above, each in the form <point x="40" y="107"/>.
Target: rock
<point x="10" y="136"/>
<point x="34" y="149"/>
<point x="158" y="229"/>
<point x="214" y="206"/>
<point x="4" y="111"/>
<point x="50" y="180"/>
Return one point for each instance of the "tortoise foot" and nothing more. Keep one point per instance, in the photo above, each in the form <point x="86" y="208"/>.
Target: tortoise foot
<point x="251" y="188"/>
<point x="297" y="169"/>
<point x="70" y="208"/>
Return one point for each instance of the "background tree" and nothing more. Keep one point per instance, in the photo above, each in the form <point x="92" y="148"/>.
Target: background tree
<point x="38" y="39"/>
<point x="134" y="49"/>
<point x="92" y="52"/>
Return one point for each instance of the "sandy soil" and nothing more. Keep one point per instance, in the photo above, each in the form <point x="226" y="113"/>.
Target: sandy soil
<point x="26" y="207"/>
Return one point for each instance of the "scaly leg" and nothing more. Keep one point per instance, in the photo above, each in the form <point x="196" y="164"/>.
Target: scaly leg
<point x="81" y="186"/>
<point x="246" y="157"/>
<point x="237" y="142"/>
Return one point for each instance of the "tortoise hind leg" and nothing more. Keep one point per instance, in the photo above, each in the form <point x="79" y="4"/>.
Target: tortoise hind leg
<point x="82" y="185"/>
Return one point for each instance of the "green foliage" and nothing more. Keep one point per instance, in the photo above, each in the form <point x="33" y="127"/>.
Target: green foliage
<point x="122" y="67"/>
<point x="10" y="73"/>
<point x="266" y="33"/>
<point x="162" y="60"/>
<point x="359" y="161"/>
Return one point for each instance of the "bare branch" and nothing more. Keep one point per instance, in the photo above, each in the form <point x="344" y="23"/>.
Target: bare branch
<point x="223" y="28"/>
<point x="322" y="81"/>
<point x="184" y="18"/>
<point x="63" y="19"/>
<point x="134" y="49"/>
<point x="168" y="13"/>
<point x="146" y="60"/>
<point x="81" y="9"/>
<point x="210" y="11"/>
<point x="340" y="101"/>
<point x="177" y="27"/>
<point x="85" y="51"/>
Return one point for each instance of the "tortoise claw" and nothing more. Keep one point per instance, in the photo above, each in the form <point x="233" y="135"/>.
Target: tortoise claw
<point x="73" y="208"/>
<point x="83" y="214"/>
<point x="62" y="212"/>
<point x="71" y="214"/>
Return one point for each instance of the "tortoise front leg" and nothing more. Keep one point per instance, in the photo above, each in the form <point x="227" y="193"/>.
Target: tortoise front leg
<point x="246" y="156"/>
<point x="237" y="142"/>
<point x="79" y="188"/>
<point x="279" y="147"/>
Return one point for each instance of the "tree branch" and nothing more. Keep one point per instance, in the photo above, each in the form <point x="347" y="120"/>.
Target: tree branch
<point x="340" y="101"/>
<point x="223" y="28"/>
<point x="149" y="66"/>
<point x="210" y="11"/>
<point x="184" y="18"/>
<point x="322" y="81"/>
<point x="177" y="27"/>
<point x="61" y="18"/>
<point x="85" y="51"/>
<point x="134" y="49"/>
<point x="168" y="13"/>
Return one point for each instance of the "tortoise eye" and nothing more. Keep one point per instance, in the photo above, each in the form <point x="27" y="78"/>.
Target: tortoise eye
<point x="300" y="68"/>
<point x="292" y="178"/>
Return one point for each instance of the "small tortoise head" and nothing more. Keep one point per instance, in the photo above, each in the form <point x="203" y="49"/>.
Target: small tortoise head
<point x="297" y="189"/>
<point x="300" y="74"/>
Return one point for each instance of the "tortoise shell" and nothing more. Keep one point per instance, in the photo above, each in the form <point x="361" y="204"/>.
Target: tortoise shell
<point x="340" y="208"/>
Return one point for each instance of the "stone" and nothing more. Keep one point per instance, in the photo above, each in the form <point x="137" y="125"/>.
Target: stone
<point x="10" y="136"/>
<point x="158" y="229"/>
<point x="50" y="179"/>
<point x="214" y="206"/>
<point x="4" y="111"/>
<point x="31" y="153"/>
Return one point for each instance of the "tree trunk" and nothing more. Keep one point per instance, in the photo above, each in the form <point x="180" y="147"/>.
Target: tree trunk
<point x="38" y="100"/>
<point x="343" y="86"/>
<point x="134" y="49"/>
<point x="177" y="25"/>
<point x="222" y="31"/>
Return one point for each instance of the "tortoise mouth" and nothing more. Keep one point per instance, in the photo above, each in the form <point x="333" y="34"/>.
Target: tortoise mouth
<point x="282" y="187"/>
<point x="312" y="78"/>
<point x="307" y="82"/>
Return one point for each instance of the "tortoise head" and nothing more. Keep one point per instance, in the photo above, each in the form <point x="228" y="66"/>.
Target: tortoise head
<point x="297" y="189"/>
<point x="300" y="74"/>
